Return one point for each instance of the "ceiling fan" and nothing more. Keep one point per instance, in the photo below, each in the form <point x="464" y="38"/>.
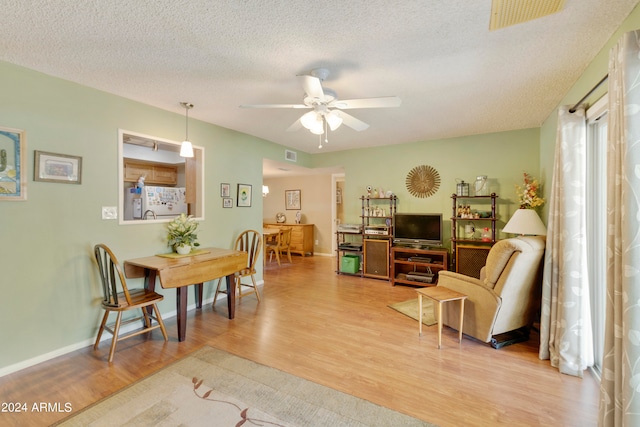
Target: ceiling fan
<point x="326" y="108"/>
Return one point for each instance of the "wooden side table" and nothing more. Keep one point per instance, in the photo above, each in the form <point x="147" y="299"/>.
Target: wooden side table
<point x="440" y="294"/>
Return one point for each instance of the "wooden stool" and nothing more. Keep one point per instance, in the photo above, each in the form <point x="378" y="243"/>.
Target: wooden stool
<point x="441" y="294"/>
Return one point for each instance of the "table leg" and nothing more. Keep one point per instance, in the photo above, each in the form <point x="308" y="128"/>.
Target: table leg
<point x="198" y="295"/>
<point x="231" y="295"/>
<point x="181" y="305"/>
<point x="420" y="314"/>
<point x="150" y="284"/>
<point x="439" y="324"/>
<point x="461" y="319"/>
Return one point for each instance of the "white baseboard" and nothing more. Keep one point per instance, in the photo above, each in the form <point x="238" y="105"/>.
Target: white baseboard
<point x="90" y="341"/>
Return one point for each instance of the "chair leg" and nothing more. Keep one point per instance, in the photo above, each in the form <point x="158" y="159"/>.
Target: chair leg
<point x="277" y="251"/>
<point x="289" y="255"/>
<point x="116" y="330"/>
<point x="147" y="320"/>
<point x="218" y="291"/>
<point x="255" y="288"/>
<point x="238" y="286"/>
<point x="102" y="325"/>
<point x="160" y="322"/>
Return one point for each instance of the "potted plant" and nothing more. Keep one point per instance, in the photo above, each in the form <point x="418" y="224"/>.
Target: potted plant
<point x="182" y="234"/>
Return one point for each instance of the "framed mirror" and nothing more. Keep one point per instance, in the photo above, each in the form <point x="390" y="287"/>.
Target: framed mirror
<point x="155" y="183"/>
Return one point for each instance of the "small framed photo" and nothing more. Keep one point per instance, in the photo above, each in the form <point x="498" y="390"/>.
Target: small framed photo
<point x="244" y="195"/>
<point x="225" y="190"/>
<point x="292" y="199"/>
<point x="62" y="168"/>
<point x="227" y="202"/>
<point x="13" y="173"/>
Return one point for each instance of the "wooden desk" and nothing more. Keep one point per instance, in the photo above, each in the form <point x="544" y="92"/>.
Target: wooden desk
<point x="441" y="294"/>
<point x="189" y="270"/>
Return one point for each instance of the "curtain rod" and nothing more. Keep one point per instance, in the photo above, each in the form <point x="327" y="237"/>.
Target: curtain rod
<point x="575" y="107"/>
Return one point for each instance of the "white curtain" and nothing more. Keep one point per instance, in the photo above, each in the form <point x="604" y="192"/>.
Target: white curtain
<point x="620" y="384"/>
<point x="565" y="323"/>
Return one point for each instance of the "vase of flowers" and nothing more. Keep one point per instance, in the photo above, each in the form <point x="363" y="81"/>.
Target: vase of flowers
<point x="182" y="234"/>
<point x="528" y="193"/>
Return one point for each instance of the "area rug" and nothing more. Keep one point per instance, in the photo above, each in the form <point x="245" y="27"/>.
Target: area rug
<point x="214" y="388"/>
<point x="410" y="308"/>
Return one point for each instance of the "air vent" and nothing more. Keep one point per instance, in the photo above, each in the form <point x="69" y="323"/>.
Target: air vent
<point x="292" y="156"/>
<point x="510" y="12"/>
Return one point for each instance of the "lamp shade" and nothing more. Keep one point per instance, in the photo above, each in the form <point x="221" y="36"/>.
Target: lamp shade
<point x="525" y="221"/>
<point x="186" y="149"/>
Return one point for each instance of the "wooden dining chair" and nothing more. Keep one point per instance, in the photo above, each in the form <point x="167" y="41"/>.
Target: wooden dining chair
<point x="118" y="298"/>
<point x="249" y="241"/>
<point x="282" y="244"/>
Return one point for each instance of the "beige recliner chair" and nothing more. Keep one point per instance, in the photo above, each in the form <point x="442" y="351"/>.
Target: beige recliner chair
<point x="505" y="297"/>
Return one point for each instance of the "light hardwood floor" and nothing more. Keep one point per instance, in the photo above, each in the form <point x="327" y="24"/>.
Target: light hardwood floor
<point x="337" y="331"/>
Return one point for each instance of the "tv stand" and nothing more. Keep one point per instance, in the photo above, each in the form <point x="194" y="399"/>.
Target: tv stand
<point x="409" y="265"/>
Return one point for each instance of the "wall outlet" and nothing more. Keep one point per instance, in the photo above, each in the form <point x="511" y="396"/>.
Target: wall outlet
<point x="109" y="212"/>
<point x="316" y="242"/>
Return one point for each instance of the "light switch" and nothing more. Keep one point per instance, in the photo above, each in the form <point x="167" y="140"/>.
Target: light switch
<point x="109" y="212"/>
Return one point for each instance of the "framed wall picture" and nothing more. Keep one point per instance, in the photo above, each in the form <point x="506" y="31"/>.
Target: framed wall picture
<point x="62" y="168"/>
<point x="244" y="195"/>
<point x="13" y="178"/>
<point x="292" y="199"/>
<point x="225" y="190"/>
<point x="227" y="202"/>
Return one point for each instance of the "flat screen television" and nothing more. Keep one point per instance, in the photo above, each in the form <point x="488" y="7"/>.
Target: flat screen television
<point x="417" y="229"/>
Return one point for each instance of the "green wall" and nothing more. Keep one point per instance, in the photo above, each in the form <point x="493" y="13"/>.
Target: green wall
<point x="503" y="157"/>
<point x="50" y="293"/>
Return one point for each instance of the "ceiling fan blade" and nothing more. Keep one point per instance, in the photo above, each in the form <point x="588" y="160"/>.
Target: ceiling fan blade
<point x="351" y="121"/>
<point x="274" y="106"/>
<point x="297" y="125"/>
<point x="381" y="102"/>
<point x="312" y="86"/>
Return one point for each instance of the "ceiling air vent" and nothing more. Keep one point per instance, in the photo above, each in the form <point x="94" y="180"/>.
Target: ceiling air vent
<point x="292" y="156"/>
<point x="510" y="12"/>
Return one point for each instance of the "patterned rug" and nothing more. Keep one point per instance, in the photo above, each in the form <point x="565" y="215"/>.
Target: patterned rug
<point x="410" y="308"/>
<point x="215" y="388"/>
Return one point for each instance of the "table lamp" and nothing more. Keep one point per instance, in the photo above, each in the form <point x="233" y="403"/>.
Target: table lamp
<point x="525" y="221"/>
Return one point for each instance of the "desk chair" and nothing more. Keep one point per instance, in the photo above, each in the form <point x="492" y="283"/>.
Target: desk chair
<point x="249" y="241"/>
<point x="282" y="244"/>
<point x="114" y="301"/>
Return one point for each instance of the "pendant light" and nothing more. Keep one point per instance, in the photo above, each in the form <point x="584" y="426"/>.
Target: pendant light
<point x="186" y="149"/>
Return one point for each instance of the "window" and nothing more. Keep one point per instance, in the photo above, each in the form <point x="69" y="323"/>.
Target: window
<point x="178" y="182"/>
<point x="597" y="221"/>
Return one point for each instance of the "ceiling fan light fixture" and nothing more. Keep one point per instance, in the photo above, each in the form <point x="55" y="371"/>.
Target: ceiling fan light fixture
<point x="186" y="148"/>
<point x="318" y="129"/>
<point x="333" y="119"/>
<point x="309" y="120"/>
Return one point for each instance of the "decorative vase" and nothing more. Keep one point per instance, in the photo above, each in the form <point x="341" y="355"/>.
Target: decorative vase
<point x="183" y="249"/>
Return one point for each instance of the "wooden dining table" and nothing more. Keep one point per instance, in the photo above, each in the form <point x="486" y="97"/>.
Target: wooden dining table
<point x="179" y="272"/>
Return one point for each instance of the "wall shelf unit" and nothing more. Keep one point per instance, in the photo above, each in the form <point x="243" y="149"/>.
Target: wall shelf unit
<point x="373" y="241"/>
<point x="469" y="252"/>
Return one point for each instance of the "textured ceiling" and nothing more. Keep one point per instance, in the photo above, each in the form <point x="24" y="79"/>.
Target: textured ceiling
<point x="454" y="76"/>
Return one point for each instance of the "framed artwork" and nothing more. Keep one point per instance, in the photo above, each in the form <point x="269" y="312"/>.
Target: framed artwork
<point x="244" y="195"/>
<point x="227" y="202"/>
<point x="13" y="178"/>
<point x="225" y="190"/>
<point x="62" y="168"/>
<point x="292" y="199"/>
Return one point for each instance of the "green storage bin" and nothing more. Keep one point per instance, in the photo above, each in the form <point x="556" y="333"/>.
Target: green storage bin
<point x="350" y="264"/>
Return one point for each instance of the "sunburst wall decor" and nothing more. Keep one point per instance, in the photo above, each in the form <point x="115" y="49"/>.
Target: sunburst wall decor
<point x="423" y="181"/>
